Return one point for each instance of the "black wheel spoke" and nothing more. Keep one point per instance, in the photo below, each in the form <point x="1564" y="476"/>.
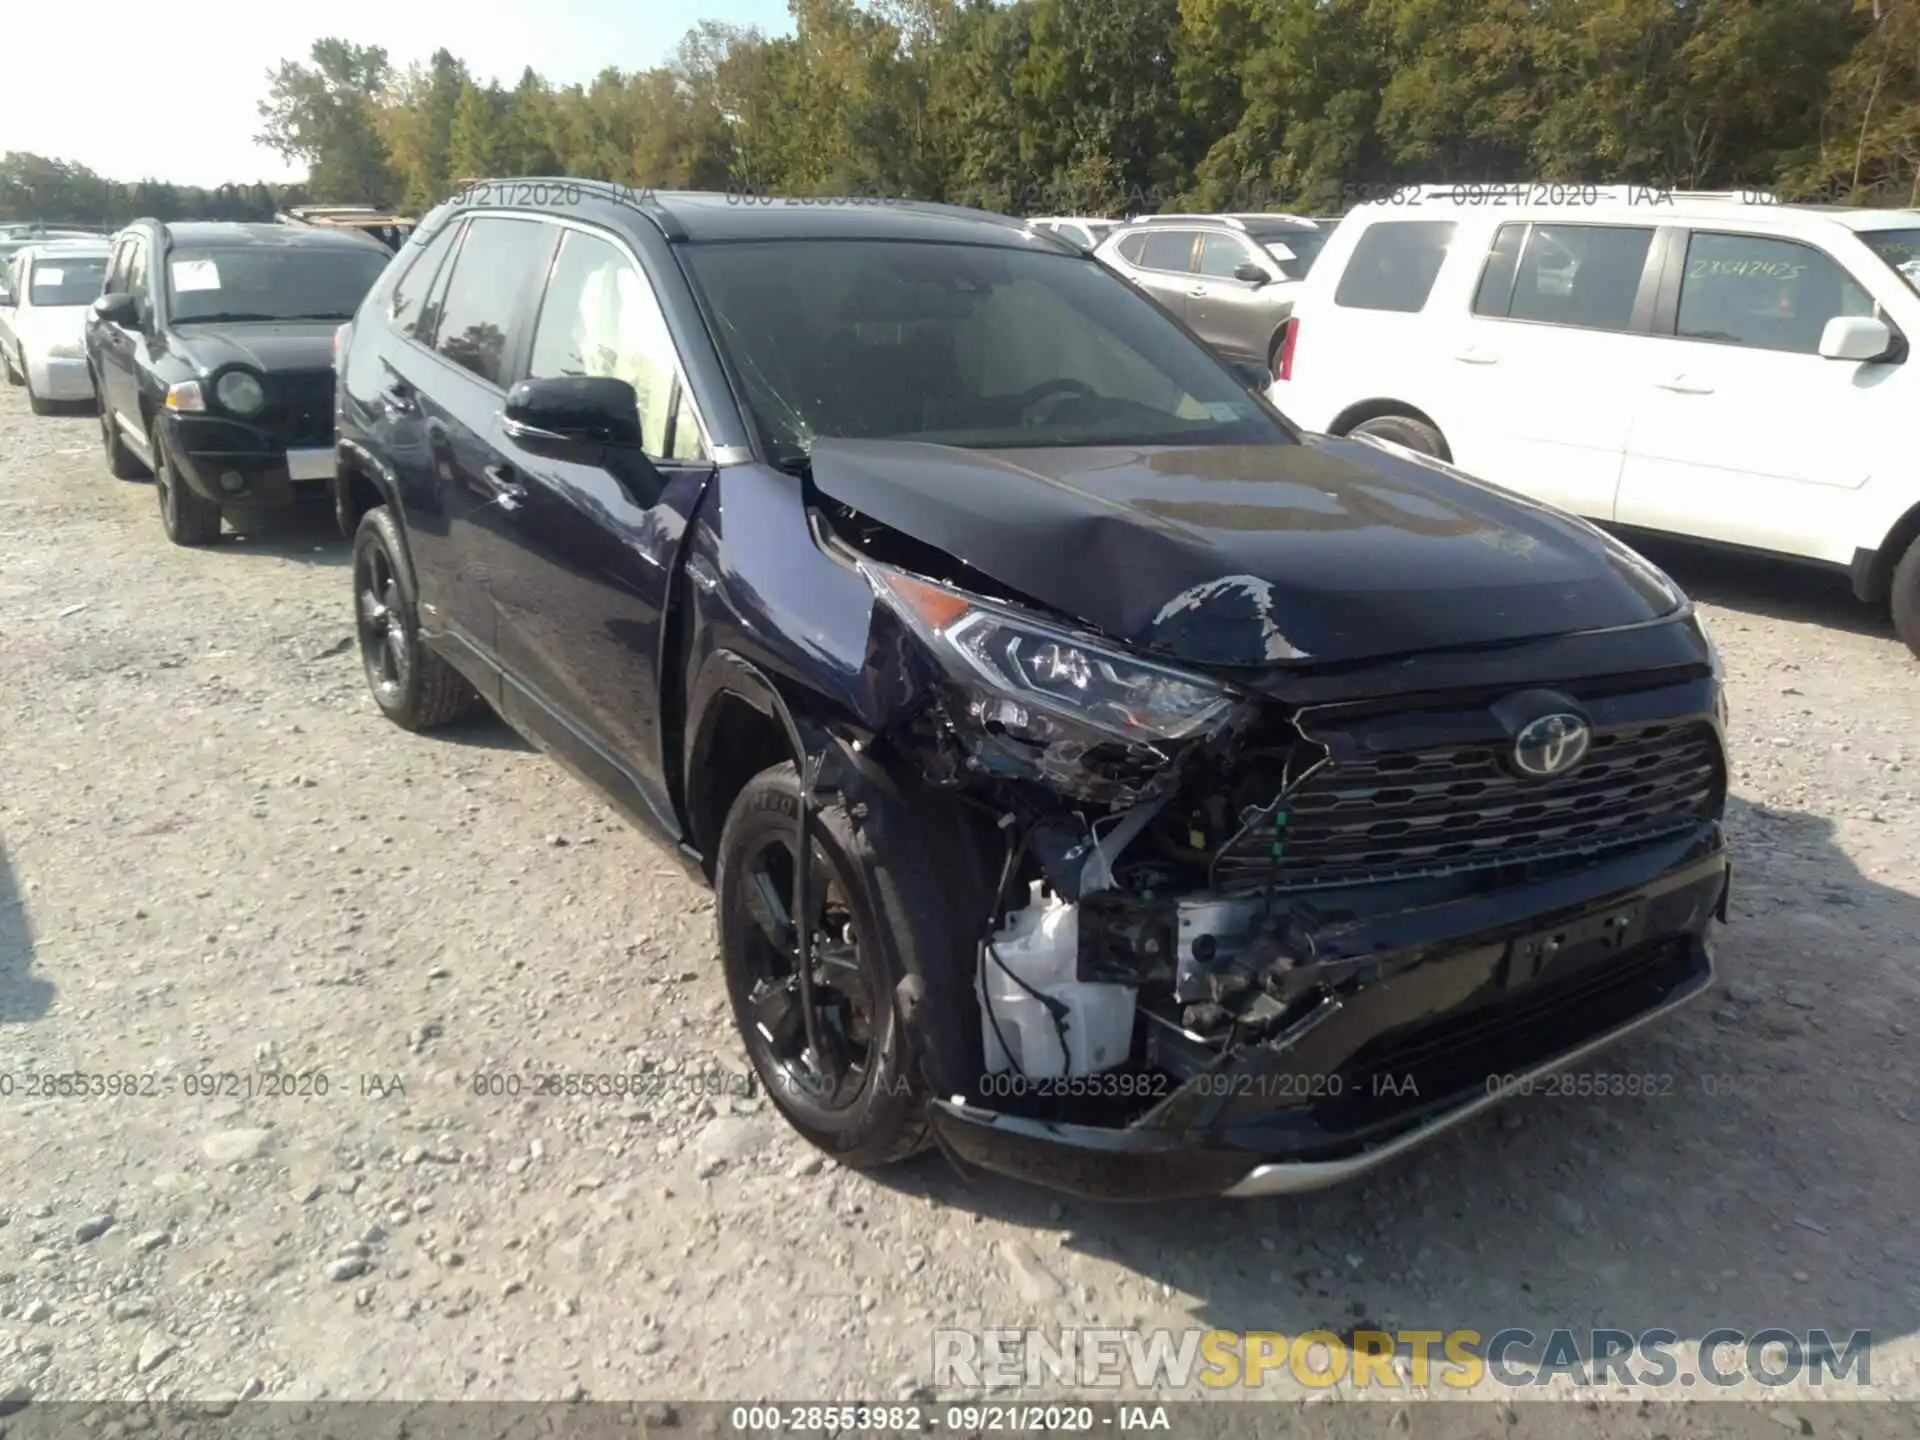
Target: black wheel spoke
<point x="776" y="1014"/>
<point x="768" y="907"/>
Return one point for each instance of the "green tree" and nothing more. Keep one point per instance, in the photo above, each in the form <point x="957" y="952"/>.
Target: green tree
<point x="325" y="114"/>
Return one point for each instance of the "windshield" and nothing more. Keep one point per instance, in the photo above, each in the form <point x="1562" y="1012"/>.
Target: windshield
<point x="269" y="282"/>
<point x="960" y="345"/>
<point x="1900" y="249"/>
<point x="66" y="280"/>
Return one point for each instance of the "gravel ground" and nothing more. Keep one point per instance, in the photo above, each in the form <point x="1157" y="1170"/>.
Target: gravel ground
<point x="215" y="856"/>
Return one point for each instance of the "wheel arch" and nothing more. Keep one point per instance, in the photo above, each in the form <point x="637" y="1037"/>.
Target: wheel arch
<point x="1872" y="570"/>
<point x="734" y="730"/>
<point x="1362" y="411"/>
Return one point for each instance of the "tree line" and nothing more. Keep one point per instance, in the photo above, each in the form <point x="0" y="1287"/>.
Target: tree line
<point x="1118" y="106"/>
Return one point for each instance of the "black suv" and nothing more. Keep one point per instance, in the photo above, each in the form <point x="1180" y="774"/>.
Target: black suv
<point x="1147" y="797"/>
<point x="211" y="354"/>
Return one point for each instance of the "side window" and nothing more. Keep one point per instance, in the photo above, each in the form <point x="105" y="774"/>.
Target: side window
<point x="137" y="274"/>
<point x="410" y="295"/>
<point x="1168" y="250"/>
<point x="1394" y="265"/>
<point x="1132" y="248"/>
<point x="498" y="261"/>
<point x="1765" y="293"/>
<point x="1496" y="280"/>
<point x="1585" y="276"/>
<point x="600" y="317"/>
<point x="1221" y="255"/>
<point x="1076" y="235"/>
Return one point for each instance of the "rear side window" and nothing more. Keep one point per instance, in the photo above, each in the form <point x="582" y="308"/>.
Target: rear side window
<point x="1394" y="265"/>
<point x="1167" y="250"/>
<point x="1585" y="276"/>
<point x="1132" y="248"/>
<point x="1765" y="293"/>
<point x="498" y="263"/>
<point x="410" y="295"/>
<point x="1496" y="280"/>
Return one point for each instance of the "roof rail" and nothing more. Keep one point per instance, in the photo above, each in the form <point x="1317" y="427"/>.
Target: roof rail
<point x="1237" y="222"/>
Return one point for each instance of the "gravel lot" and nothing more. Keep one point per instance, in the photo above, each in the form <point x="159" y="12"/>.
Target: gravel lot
<point x="216" y="856"/>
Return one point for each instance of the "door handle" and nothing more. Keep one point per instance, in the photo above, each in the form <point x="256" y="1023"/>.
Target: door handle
<point x="1476" y="357"/>
<point x="1681" y="385"/>
<point x="1198" y="292"/>
<point x="507" y="491"/>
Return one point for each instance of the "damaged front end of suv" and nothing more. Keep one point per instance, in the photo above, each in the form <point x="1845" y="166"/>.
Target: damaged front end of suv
<point x="1323" y="811"/>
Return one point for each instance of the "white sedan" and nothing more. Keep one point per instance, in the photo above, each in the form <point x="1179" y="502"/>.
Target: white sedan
<point x="44" y="294"/>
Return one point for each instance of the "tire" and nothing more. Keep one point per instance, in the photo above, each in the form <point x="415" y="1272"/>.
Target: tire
<point x="35" y="403"/>
<point x="1416" y="435"/>
<point x="1904" y="599"/>
<point x="188" y="518"/>
<point x="876" y="1115"/>
<point x="121" y="462"/>
<point x="14" y="377"/>
<point x="414" y="688"/>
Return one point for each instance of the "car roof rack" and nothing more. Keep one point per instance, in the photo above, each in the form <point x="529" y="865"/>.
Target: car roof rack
<point x="1236" y="222"/>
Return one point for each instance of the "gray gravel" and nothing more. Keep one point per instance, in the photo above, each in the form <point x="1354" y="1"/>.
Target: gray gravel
<point x="216" y="857"/>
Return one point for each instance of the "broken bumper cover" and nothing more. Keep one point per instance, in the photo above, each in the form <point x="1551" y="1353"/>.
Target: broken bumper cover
<point x="1464" y="1011"/>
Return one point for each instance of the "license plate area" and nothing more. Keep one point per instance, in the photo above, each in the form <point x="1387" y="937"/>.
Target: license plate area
<point x="1575" y="944"/>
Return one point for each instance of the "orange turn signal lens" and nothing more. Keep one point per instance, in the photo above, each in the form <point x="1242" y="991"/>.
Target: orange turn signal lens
<point x="935" y="608"/>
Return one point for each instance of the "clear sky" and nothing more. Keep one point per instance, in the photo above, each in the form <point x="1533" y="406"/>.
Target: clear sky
<point x="133" y="90"/>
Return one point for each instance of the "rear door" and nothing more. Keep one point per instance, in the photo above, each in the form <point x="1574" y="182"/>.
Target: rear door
<point x="480" y="314"/>
<point x="381" y="384"/>
<point x="1162" y="260"/>
<point x="1742" y="432"/>
<point x="1545" y="370"/>
<point x="584" y="573"/>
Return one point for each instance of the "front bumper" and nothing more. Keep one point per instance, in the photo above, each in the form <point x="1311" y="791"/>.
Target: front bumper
<point x="1439" y="1031"/>
<point x="235" y="465"/>
<point x="59" y="379"/>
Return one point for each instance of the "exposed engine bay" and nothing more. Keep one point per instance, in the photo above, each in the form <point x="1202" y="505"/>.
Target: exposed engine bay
<point x="1115" y="948"/>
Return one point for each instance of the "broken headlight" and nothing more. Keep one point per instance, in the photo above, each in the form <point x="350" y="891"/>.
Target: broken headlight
<point x="1042" y="682"/>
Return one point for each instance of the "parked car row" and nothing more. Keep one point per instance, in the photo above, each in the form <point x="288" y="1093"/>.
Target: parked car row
<point x="1735" y="373"/>
<point x="1039" y="701"/>
<point x="45" y="289"/>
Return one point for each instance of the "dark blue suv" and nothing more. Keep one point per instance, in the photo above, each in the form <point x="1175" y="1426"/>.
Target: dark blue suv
<point x="1096" y="773"/>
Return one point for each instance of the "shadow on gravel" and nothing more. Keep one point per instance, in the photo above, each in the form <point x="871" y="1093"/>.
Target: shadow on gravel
<point x="1764" y="1178"/>
<point x="1778" y="589"/>
<point x="23" y="995"/>
<point x="307" y="534"/>
<point x="483" y="731"/>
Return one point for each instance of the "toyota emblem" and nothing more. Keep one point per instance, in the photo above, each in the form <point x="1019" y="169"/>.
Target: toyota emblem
<point x="1551" y="745"/>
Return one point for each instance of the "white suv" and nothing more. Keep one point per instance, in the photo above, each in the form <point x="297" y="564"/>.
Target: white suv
<point x="1724" y="368"/>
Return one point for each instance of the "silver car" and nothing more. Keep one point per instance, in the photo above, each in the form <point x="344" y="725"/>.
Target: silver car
<point x="1232" y="278"/>
<point x="45" y="289"/>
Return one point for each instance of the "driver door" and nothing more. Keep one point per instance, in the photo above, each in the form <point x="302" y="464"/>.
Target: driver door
<point x="586" y="551"/>
<point x="1224" y="311"/>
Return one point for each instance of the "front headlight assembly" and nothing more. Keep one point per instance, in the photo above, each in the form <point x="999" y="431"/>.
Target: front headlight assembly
<point x="1042" y="682"/>
<point x="240" y="393"/>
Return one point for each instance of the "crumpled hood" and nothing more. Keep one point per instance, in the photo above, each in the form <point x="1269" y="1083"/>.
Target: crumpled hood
<point x="1327" y="551"/>
<point x="293" y="345"/>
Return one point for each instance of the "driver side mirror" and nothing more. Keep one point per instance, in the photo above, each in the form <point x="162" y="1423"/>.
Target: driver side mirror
<point x="118" y="308"/>
<point x="1855" y="337"/>
<point x="584" y="420"/>
<point x="1251" y="273"/>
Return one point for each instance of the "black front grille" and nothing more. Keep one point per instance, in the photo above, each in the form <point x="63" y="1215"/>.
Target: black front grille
<point x="302" y="407"/>
<point x="1439" y="812"/>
